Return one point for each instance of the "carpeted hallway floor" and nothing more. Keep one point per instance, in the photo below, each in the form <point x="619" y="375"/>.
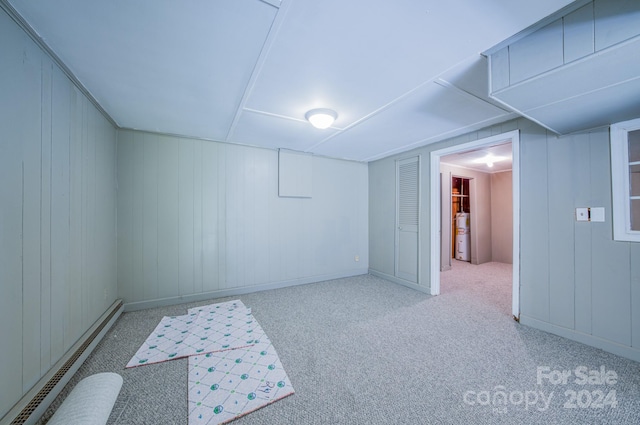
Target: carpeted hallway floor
<point x="363" y="350"/>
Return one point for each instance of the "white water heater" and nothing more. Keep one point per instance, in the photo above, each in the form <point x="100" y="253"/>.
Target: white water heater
<point x="463" y="242"/>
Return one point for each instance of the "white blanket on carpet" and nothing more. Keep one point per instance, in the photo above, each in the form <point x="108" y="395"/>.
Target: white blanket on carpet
<point x="216" y="327"/>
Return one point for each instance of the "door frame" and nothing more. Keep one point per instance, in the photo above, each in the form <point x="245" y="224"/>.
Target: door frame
<point x="435" y="209"/>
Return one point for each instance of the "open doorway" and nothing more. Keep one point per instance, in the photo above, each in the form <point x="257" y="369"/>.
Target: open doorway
<point x="441" y="215"/>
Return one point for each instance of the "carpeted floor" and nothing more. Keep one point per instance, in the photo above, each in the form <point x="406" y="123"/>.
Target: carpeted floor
<point x="366" y="351"/>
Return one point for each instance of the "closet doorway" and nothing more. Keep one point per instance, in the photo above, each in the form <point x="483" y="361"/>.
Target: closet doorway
<point x="460" y="211"/>
<point x="438" y="228"/>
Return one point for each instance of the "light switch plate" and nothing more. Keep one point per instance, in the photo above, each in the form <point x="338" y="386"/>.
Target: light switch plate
<point x="596" y="213"/>
<point x="582" y="214"/>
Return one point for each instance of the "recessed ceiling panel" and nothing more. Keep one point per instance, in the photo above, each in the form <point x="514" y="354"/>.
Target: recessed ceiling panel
<point x="246" y="71"/>
<point x="174" y="67"/>
<point x="357" y="56"/>
<point x="276" y="132"/>
<point x="430" y="112"/>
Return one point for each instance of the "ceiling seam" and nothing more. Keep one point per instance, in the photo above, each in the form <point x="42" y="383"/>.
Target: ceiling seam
<point x="446" y="84"/>
<point x="443" y="136"/>
<point x="274" y="29"/>
<point x="285" y="117"/>
<point x="390" y="103"/>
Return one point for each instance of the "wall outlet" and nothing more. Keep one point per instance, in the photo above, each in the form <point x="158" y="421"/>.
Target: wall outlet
<point x="590" y="214"/>
<point x="582" y="214"/>
<point x="356" y="258"/>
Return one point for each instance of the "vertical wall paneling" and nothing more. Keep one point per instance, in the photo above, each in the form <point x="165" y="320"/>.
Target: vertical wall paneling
<point x="534" y="214"/>
<point x="209" y="201"/>
<point x="150" y="217"/>
<point x="610" y="267"/>
<point x="167" y="212"/>
<point x="73" y="288"/>
<point x="11" y="191"/>
<point x="87" y="280"/>
<point x="110" y="232"/>
<point x="221" y="180"/>
<point x="197" y="217"/>
<point x="561" y="232"/>
<point x="581" y="188"/>
<point x="574" y="279"/>
<point x="499" y="69"/>
<point x="60" y="211"/>
<point x="137" y="215"/>
<point x="213" y="220"/>
<point x="578" y="33"/>
<point x="32" y="179"/>
<point x="186" y="189"/>
<point x="615" y="21"/>
<point x="261" y="218"/>
<point x="536" y="53"/>
<point x="277" y="235"/>
<point x="235" y="223"/>
<point x="125" y="215"/>
<point x="45" y="217"/>
<point x="295" y="174"/>
<point x="57" y="223"/>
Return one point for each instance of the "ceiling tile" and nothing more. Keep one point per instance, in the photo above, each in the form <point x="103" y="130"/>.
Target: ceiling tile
<point x="431" y="112"/>
<point x="246" y="71"/>
<point x="355" y="58"/>
<point x="158" y="65"/>
<point x="277" y="132"/>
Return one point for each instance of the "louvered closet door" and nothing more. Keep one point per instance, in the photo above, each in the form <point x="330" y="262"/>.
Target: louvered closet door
<point x="407" y="218"/>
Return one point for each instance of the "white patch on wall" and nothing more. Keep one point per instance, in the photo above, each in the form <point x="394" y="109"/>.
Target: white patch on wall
<point x="295" y="174"/>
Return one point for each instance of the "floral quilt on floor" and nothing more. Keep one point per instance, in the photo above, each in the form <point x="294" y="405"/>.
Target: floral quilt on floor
<point x="233" y="367"/>
<point x="205" y="329"/>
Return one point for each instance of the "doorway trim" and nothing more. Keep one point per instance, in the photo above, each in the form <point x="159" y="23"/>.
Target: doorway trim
<point x="435" y="209"/>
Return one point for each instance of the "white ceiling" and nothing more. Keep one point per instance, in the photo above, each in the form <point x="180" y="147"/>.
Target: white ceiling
<point x="400" y="74"/>
<point x="500" y="155"/>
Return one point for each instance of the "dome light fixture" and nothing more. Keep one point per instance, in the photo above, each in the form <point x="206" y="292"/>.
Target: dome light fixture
<point x="321" y="117"/>
<point x="489" y="160"/>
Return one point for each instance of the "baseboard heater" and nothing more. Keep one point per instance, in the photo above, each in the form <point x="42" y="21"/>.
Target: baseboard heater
<point x="35" y="402"/>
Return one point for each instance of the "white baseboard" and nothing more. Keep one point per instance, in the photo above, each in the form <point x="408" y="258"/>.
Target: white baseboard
<point x="593" y="341"/>
<point x="399" y="281"/>
<point x="231" y="292"/>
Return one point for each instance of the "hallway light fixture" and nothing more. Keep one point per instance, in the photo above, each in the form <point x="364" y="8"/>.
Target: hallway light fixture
<point x="321" y="117"/>
<point x="489" y="160"/>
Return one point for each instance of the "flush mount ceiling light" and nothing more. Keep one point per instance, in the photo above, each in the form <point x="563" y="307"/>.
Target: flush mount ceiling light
<point x="490" y="159"/>
<point x="321" y="118"/>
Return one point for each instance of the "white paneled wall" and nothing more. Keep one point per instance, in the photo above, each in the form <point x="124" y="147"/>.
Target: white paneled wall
<point x="201" y="219"/>
<point x="57" y="213"/>
<point x="575" y="280"/>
